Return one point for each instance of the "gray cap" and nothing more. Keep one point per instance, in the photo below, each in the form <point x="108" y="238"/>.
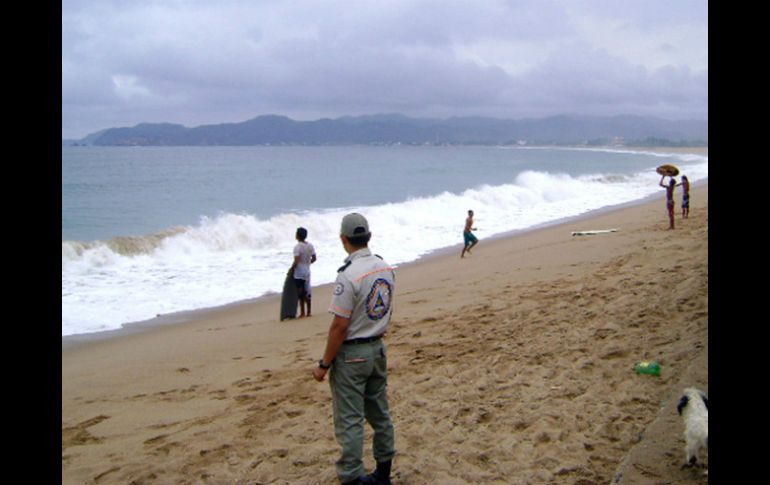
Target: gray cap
<point x="354" y="225"/>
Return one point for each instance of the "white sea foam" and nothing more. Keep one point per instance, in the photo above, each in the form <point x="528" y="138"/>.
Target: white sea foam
<point x="235" y="257"/>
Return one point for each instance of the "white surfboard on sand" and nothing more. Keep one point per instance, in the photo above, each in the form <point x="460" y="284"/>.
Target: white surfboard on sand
<point x="592" y="232"/>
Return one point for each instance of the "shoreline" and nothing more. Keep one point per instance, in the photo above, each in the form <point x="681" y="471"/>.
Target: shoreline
<point x="513" y="364"/>
<point x="186" y="316"/>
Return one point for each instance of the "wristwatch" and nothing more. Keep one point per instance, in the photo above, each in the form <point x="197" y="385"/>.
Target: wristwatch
<point x="322" y="365"/>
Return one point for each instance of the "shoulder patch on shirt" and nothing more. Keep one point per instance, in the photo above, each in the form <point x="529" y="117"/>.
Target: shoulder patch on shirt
<point x="378" y="300"/>
<point x="339" y="289"/>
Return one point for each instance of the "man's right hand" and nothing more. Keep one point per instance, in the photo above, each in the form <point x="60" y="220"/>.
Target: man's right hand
<point x="319" y="374"/>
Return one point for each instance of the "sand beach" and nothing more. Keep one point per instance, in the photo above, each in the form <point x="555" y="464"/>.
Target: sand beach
<point x="512" y="365"/>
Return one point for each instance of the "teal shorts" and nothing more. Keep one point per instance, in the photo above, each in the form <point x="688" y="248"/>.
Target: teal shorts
<point x="469" y="238"/>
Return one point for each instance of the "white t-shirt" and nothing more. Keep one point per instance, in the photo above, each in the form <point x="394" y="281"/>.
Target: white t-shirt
<point x="305" y="251"/>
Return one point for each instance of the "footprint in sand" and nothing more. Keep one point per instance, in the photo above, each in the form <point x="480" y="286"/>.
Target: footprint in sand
<point x="157" y="439"/>
<point x="98" y="478"/>
<point x="79" y="434"/>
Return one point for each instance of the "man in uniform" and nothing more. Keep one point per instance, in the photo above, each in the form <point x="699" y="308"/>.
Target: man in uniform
<point x="355" y="356"/>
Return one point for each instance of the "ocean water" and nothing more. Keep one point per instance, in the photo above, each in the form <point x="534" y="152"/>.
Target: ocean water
<point x="150" y="231"/>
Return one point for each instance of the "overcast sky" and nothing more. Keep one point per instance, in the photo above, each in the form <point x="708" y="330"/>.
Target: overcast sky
<point x="196" y="62"/>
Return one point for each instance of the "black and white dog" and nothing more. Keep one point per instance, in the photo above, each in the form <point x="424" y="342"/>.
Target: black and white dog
<point x="694" y="409"/>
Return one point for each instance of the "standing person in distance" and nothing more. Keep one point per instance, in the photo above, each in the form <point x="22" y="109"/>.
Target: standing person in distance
<point x="669" y="199"/>
<point x="469" y="239"/>
<point x="355" y="356"/>
<point x="685" y="197"/>
<point x="304" y="256"/>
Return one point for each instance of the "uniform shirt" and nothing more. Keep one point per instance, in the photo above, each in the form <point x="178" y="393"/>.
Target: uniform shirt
<point x="305" y="251"/>
<point x="364" y="293"/>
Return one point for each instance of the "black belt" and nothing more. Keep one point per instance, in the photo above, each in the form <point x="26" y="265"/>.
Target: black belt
<point x="362" y="340"/>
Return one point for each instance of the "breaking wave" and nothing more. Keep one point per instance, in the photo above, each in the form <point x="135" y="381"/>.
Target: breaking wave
<point x="234" y="257"/>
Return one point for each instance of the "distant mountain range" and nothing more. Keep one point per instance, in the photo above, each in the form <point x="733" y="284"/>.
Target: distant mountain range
<point x="391" y="129"/>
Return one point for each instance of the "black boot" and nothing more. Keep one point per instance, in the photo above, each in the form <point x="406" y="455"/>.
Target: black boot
<point x="356" y="481"/>
<point x="381" y="475"/>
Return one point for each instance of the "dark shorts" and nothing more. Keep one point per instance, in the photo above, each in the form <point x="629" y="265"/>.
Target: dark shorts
<point x="469" y="238"/>
<point x="300" y="284"/>
<point x="686" y="202"/>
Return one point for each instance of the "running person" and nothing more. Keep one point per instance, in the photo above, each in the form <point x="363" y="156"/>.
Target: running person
<point x="468" y="237"/>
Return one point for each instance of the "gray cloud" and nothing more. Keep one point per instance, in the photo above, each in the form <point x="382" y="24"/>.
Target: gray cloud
<point x="204" y="62"/>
